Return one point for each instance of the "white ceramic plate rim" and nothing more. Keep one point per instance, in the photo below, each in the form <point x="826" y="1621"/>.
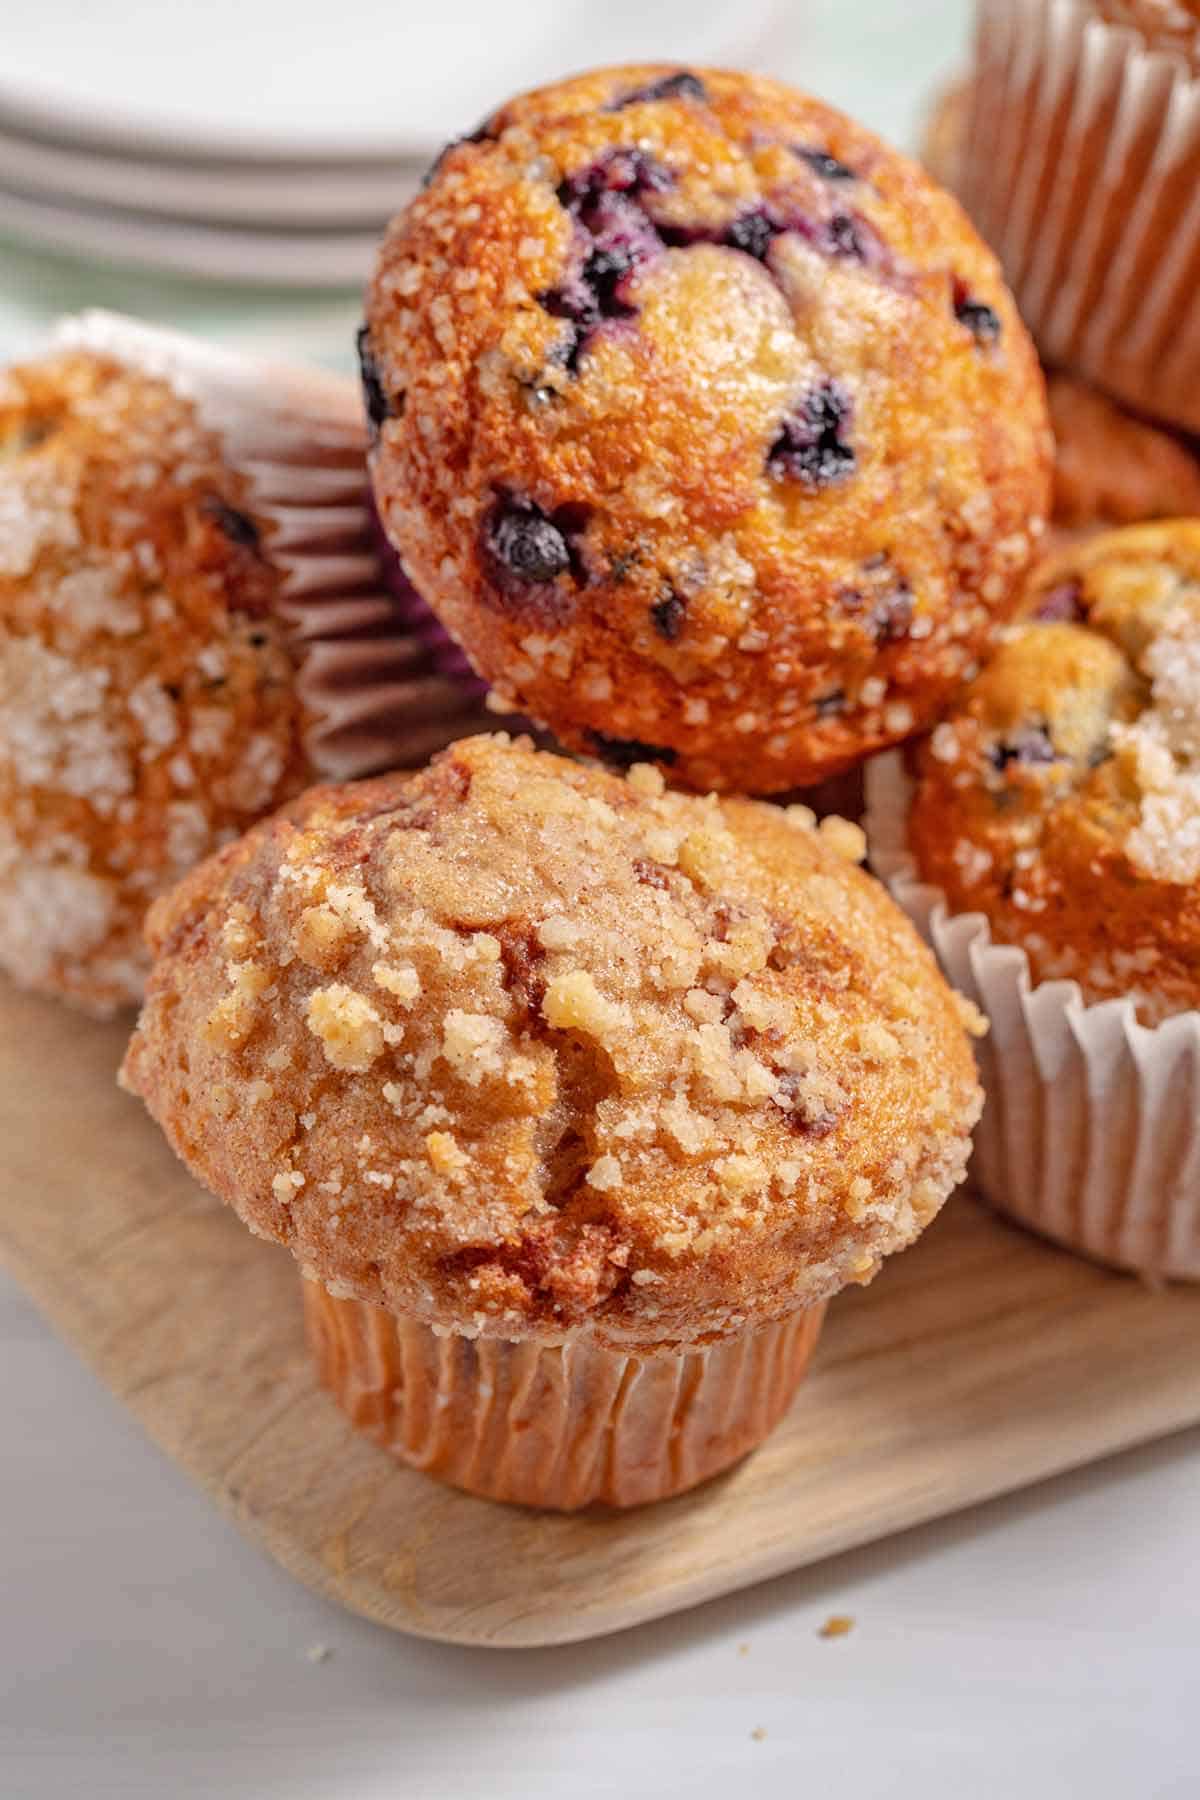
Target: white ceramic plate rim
<point x="215" y="193"/>
<point x="133" y="94"/>
<point x="312" y="261"/>
<point x="58" y="118"/>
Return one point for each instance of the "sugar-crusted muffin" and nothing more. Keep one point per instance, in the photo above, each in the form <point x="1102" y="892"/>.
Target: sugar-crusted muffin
<point x="147" y="710"/>
<point x="1061" y="797"/>
<point x="517" y="1050"/>
<point x="705" y="423"/>
<point x="1112" y="467"/>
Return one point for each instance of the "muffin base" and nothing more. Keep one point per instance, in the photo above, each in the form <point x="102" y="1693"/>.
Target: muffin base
<point x="558" y="1426"/>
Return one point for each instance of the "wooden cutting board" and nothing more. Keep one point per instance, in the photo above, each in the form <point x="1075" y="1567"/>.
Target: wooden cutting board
<point x="979" y="1362"/>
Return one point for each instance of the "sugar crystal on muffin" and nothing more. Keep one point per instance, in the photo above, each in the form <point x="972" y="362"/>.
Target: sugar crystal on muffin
<point x="580" y="1051"/>
<point x="1061" y="797"/>
<point x="147" y="710"/>
<point x="705" y="423"/>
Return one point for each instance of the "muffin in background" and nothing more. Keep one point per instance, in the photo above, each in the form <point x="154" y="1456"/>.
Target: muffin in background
<point x="568" y="1094"/>
<point x="1061" y="796"/>
<point x="1112" y="467"/>
<point x="147" y="703"/>
<point x="705" y="423"/>
<point x="195" y="619"/>
<point x="1048" y="843"/>
<point x="1080" y="165"/>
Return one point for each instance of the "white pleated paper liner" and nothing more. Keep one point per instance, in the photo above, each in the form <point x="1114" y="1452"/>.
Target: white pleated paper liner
<point x="1091" y="1129"/>
<point x="1081" y="167"/>
<point x="381" y="685"/>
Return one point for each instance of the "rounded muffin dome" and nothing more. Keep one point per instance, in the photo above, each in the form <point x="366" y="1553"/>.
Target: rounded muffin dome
<point x="705" y="423"/>
<point x="515" y="1046"/>
<point x="147" y="702"/>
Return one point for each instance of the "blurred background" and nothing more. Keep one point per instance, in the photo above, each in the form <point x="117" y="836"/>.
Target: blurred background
<point x="227" y="165"/>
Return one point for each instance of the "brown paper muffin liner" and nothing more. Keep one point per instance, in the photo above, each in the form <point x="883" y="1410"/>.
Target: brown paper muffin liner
<point x="1091" y="1129"/>
<point x="944" y="132"/>
<point x="380" y="684"/>
<point x="1081" y="167"/>
<point x="559" y="1426"/>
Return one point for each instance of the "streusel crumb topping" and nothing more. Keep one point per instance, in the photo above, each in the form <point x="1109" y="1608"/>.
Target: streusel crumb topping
<point x="516" y="1044"/>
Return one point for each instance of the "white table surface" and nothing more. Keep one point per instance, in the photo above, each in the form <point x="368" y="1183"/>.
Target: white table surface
<point x="1043" y="1646"/>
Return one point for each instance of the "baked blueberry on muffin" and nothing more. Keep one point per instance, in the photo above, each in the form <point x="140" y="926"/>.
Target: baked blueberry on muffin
<point x="569" y="1094"/>
<point x="1061" y="797"/>
<point x="147" y="710"/>
<point x="704" y="421"/>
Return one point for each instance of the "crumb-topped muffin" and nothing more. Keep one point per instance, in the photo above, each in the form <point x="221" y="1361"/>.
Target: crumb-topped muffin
<point x="1061" y="798"/>
<point x="147" y="710"/>
<point x="705" y="423"/>
<point x="516" y="1049"/>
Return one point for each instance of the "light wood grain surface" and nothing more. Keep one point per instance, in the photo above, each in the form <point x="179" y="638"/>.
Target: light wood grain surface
<point x="979" y="1362"/>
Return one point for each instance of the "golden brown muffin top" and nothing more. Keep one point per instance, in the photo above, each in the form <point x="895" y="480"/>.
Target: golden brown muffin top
<point x="516" y="1046"/>
<point x="1112" y="467"/>
<point x="705" y="423"/>
<point x="1062" y="797"/>
<point x="147" y="710"/>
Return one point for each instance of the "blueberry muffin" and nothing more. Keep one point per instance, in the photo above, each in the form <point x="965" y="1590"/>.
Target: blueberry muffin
<point x="564" y="1090"/>
<point x="705" y="423"/>
<point x="147" y="710"/>
<point x="1061" y="797"/>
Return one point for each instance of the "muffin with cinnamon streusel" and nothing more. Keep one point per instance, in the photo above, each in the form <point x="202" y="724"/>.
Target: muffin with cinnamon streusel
<point x="563" y="1090"/>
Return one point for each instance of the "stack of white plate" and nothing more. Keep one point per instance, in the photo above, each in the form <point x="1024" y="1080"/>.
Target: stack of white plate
<point x="268" y="141"/>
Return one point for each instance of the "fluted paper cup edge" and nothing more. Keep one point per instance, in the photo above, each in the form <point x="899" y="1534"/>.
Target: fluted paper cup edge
<point x="1091" y="1129"/>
